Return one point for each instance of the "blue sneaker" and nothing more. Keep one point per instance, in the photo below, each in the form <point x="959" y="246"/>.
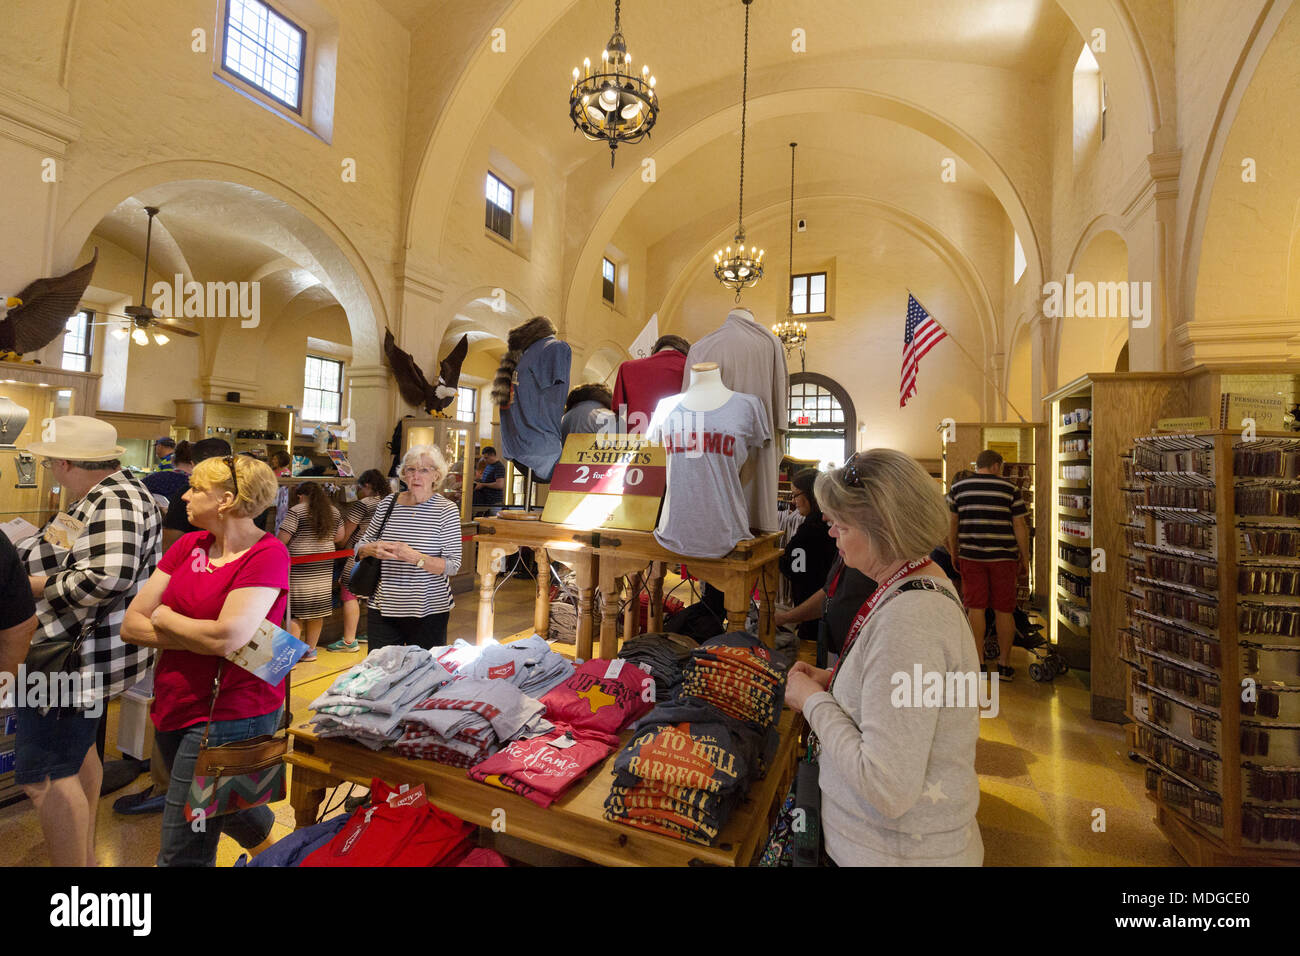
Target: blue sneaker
<point x="342" y="645"/>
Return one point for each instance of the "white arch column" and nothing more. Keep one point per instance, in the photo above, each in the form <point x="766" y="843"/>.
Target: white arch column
<point x="1150" y="224"/>
<point x="370" y="407"/>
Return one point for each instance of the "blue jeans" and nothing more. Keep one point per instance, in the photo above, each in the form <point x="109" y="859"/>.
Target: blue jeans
<point x="181" y="845"/>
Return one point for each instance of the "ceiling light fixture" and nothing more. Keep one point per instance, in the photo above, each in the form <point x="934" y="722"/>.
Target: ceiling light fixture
<point x="139" y="338"/>
<point x="615" y="104"/>
<point x="740" y="270"/>
<point x="119" y="333"/>
<point x="160" y="338"/>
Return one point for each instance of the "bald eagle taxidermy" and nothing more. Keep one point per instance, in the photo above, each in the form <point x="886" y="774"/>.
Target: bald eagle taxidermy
<point x="411" y="383"/>
<point x="43" y="310"/>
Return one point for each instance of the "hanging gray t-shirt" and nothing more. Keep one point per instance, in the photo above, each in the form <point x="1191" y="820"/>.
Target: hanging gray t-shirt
<point x="705" y="511"/>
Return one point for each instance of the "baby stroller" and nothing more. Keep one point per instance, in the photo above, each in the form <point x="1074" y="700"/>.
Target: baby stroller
<point x="1047" y="663"/>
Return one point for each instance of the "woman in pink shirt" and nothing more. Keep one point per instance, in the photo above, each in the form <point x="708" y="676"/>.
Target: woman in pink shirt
<point x="212" y="590"/>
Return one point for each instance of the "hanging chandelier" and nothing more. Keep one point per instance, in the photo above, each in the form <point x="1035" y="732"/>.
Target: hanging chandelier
<point x="613" y="104"/>
<point x="736" y="268"/>
<point x="792" y="334"/>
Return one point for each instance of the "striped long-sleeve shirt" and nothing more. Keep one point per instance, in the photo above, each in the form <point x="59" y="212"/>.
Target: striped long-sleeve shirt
<point x="432" y="528"/>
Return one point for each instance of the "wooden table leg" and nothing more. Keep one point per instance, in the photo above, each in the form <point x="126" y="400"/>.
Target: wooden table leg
<point x="542" y="608"/>
<point x="736" y="600"/>
<point x="766" y="600"/>
<point x="306" y="791"/>
<point x="656" y="617"/>
<point x="489" y="563"/>
<point x="585" y="564"/>
<point x="608" y="610"/>
<point x="632" y="613"/>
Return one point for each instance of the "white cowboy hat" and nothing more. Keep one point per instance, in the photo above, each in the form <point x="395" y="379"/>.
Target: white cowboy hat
<point x="79" y="438"/>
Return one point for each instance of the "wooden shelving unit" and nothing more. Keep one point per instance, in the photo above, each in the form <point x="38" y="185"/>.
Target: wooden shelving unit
<point x="227" y="419"/>
<point x="1212" y="641"/>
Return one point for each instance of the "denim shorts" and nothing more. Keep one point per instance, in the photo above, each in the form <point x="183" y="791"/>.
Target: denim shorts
<point x="52" y="745"/>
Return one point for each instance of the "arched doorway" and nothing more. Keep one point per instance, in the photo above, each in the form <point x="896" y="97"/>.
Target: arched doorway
<point x="823" y="423"/>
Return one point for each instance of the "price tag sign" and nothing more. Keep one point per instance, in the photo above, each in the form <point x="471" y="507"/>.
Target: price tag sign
<point x="608" y="481"/>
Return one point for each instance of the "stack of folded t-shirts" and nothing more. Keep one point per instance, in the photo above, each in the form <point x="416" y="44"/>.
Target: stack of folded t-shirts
<point x="665" y="654"/>
<point x="529" y="664"/>
<point x="684" y="772"/>
<point x="457" y="655"/>
<point x="368" y="702"/>
<point x="740" y="681"/>
<point x="468" y="719"/>
<point x="601" y="696"/>
<point x="589" y="709"/>
<point x="542" y="768"/>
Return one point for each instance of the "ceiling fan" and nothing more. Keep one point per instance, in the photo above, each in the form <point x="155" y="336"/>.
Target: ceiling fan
<point x="142" y="321"/>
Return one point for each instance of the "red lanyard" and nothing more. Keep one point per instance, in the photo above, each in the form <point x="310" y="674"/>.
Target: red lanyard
<point x="870" y="605"/>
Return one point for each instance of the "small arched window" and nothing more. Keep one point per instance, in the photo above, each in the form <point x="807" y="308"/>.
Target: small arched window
<point x="823" y="424"/>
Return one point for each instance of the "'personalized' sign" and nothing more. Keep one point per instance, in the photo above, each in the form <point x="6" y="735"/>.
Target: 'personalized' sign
<point x="608" y="481"/>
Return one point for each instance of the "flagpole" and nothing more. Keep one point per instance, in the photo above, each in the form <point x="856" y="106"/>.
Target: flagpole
<point x="979" y="366"/>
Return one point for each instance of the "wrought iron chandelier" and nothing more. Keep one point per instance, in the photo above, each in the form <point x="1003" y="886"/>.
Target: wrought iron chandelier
<point x="737" y="269"/>
<point x="792" y="334"/>
<point x="613" y="104"/>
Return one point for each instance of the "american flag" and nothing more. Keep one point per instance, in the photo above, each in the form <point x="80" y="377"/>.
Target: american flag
<point x="920" y="334"/>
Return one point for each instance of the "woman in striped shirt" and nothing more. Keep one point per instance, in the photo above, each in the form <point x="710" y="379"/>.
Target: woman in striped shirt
<point x="419" y="549"/>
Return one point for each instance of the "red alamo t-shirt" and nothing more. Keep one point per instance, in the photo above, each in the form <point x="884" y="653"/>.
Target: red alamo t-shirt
<point x="183" y="679"/>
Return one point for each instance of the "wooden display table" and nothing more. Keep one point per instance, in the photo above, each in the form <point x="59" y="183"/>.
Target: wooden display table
<point x="574" y="824"/>
<point x="603" y="557"/>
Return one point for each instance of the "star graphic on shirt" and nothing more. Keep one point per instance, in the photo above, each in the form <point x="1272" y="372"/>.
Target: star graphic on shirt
<point x="917" y="837"/>
<point x="596" y="698"/>
<point x="935" y="792"/>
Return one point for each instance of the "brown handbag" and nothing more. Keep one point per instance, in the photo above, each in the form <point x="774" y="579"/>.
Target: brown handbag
<point x="239" y="775"/>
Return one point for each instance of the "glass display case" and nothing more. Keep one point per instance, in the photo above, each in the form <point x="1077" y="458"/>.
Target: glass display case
<point x="27" y="491"/>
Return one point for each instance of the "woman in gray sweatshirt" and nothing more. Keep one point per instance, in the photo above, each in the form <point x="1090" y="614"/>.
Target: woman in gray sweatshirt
<point x="897" y="724"/>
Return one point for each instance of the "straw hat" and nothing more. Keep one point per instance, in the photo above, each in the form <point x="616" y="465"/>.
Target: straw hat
<point x="80" y="438"/>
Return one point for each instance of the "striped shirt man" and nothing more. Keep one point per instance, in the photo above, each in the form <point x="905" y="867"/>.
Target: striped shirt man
<point x="985" y="506"/>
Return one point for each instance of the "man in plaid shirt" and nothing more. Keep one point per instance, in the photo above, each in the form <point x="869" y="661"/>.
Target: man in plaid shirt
<point x="84" y="568"/>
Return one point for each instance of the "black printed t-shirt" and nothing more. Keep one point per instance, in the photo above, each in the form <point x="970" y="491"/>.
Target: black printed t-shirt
<point x="17" y="605"/>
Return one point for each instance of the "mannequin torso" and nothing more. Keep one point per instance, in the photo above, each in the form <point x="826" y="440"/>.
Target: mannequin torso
<point x="706" y="392"/>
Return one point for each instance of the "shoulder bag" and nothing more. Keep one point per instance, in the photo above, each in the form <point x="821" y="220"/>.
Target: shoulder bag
<point x="239" y="775"/>
<point x="365" y="571"/>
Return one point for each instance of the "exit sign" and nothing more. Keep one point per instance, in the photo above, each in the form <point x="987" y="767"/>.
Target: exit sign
<point x="803" y="420"/>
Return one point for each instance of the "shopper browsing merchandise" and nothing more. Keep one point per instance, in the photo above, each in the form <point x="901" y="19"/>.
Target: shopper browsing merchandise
<point x="308" y="530"/>
<point x="419" y="549"/>
<point x="489" y="487"/>
<point x="833" y="607"/>
<point x="709" y="432"/>
<point x="371" y="488"/>
<point x="989" y="538"/>
<point x="898" y="783"/>
<point x="810" y="553"/>
<point x="84" y="567"/>
<point x="211" y="592"/>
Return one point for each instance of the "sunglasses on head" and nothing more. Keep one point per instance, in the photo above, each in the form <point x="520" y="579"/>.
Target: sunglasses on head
<point x="234" y="476"/>
<point x="850" y="473"/>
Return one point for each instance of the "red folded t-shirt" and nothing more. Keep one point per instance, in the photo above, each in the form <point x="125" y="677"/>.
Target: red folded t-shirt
<point x="601" y="696"/>
<point x="535" y="768"/>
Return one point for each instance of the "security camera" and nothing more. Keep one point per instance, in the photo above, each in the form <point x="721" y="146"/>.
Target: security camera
<point x="803" y="225"/>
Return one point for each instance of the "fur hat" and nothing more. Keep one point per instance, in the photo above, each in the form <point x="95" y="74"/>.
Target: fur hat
<point x="517" y="343"/>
